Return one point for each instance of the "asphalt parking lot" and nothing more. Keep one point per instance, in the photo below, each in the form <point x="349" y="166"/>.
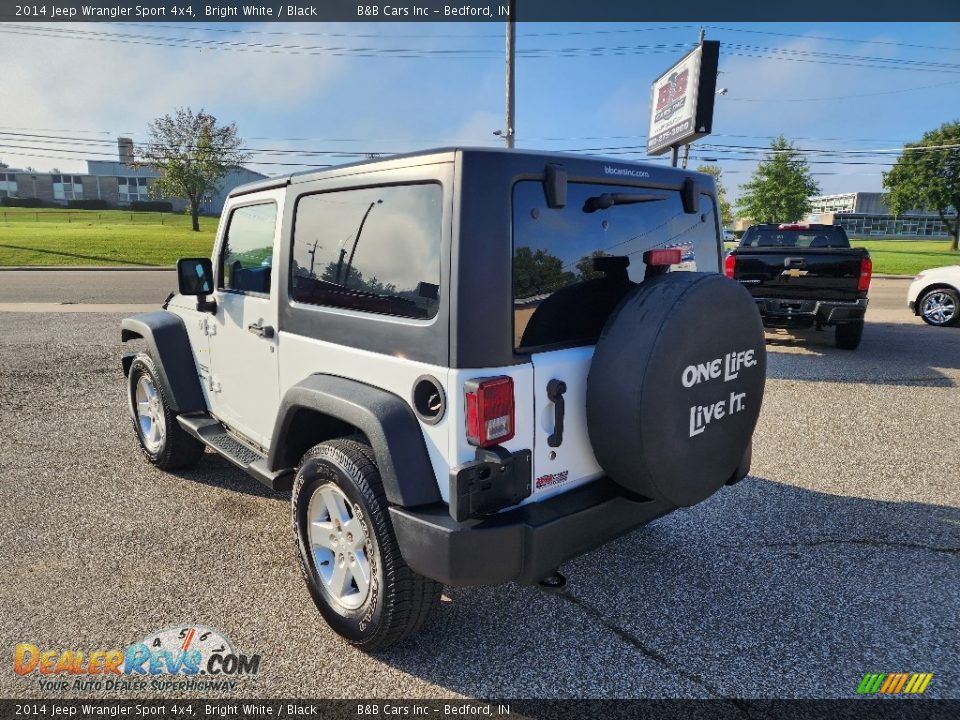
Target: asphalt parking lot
<point x="839" y="556"/>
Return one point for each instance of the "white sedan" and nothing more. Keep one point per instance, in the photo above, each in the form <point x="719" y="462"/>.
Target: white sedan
<point x="934" y="295"/>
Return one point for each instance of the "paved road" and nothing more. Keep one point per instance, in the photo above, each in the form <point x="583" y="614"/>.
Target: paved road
<point x="839" y="556"/>
<point x="152" y="286"/>
<point x="86" y="286"/>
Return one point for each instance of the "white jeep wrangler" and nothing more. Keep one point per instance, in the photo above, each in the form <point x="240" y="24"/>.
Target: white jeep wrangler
<point x="469" y="365"/>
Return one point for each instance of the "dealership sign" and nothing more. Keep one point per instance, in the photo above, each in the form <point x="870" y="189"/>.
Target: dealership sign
<point x="681" y="103"/>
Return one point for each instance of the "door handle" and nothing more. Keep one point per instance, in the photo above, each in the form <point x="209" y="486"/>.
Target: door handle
<point x="555" y="391"/>
<point x="260" y="330"/>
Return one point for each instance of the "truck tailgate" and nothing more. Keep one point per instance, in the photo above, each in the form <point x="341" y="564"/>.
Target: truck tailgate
<point x="800" y="273"/>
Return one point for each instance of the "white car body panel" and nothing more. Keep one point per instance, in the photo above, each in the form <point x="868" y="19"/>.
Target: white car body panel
<point x="949" y="275"/>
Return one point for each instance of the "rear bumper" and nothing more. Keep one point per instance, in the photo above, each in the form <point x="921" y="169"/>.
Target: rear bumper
<point x="524" y="544"/>
<point x="779" y="312"/>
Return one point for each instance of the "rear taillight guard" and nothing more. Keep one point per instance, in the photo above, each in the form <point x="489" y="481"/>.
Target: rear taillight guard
<point x="490" y="412"/>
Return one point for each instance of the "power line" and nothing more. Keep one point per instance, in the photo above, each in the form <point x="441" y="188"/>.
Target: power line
<point x="832" y="39"/>
<point x="760" y="52"/>
<point x="564" y="33"/>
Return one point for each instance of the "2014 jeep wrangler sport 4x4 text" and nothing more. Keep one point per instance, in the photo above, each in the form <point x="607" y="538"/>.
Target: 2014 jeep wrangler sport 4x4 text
<point x="468" y="365"/>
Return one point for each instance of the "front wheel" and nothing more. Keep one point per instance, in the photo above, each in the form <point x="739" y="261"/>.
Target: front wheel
<point x="849" y="334"/>
<point x="940" y="306"/>
<point x="163" y="442"/>
<point x="348" y="551"/>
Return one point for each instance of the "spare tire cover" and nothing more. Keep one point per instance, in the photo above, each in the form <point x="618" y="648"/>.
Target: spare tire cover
<point x="675" y="386"/>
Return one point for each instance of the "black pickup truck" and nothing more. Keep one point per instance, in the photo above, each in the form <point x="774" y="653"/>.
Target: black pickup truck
<point x="802" y="276"/>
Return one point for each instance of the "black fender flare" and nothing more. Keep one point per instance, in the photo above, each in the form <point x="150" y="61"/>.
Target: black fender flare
<point x="169" y="347"/>
<point x="387" y="421"/>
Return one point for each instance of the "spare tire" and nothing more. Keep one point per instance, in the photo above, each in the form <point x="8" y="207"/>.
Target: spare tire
<point x="675" y="386"/>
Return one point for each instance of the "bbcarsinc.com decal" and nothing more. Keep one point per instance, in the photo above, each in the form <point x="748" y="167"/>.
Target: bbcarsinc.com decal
<point x="181" y="657"/>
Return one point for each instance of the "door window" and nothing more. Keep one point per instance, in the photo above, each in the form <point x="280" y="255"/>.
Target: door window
<point x="246" y="260"/>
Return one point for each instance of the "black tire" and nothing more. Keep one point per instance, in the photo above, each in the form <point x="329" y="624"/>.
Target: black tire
<point x="399" y="600"/>
<point x="848" y="335"/>
<point x="948" y="320"/>
<point x="177" y="449"/>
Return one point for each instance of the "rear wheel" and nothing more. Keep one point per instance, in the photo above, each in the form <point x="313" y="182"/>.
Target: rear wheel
<point x="348" y="551"/>
<point x="162" y="440"/>
<point x="848" y="335"/>
<point x="940" y="307"/>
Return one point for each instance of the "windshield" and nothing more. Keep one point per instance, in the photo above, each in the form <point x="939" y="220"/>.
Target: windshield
<point x="572" y="265"/>
<point x="824" y="237"/>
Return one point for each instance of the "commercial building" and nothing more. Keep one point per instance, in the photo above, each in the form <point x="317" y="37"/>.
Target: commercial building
<point x="864" y="214"/>
<point x="117" y="182"/>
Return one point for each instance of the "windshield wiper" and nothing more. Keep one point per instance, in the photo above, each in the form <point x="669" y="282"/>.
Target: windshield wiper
<point x="608" y="200"/>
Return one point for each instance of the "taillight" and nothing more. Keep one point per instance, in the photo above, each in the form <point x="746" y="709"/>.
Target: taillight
<point x="662" y="258"/>
<point x="490" y="412"/>
<point x="730" y="265"/>
<point x="866" y="272"/>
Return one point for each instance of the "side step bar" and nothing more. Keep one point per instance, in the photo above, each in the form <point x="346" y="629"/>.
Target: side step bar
<point x="211" y="432"/>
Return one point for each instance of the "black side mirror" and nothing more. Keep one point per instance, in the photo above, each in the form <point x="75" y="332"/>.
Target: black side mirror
<point x="195" y="276"/>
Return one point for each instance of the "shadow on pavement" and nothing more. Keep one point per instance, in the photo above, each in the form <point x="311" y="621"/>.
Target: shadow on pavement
<point x="766" y="590"/>
<point x="218" y="472"/>
<point x="890" y="354"/>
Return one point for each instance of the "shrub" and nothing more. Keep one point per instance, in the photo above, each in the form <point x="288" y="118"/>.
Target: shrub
<point x="152" y="205"/>
<point x="21" y="202"/>
<point x="87" y="204"/>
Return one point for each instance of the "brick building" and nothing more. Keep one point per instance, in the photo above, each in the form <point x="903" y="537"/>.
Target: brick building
<point x="117" y="182"/>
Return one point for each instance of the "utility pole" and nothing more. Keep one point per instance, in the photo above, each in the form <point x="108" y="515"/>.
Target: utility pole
<point x="511" y="73"/>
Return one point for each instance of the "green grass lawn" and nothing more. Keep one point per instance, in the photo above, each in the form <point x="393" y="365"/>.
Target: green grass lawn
<point x="907" y="257"/>
<point x="121" y="237"/>
<point x="100" y="237"/>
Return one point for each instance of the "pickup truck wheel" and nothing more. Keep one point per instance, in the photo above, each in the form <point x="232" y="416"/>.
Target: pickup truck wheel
<point x="162" y="440"/>
<point x="940" y="307"/>
<point x="348" y="552"/>
<point x="848" y="335"/>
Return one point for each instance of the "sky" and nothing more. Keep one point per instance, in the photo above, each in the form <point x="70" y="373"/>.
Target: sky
<point x="305" y="95"/>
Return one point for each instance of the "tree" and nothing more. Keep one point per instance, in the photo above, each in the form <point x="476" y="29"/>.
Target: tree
<point x="192" y="154"/>
<point x="780" y="188"/>
<point x="585" y="269"/>
<point x="3" y="165"/>
<point x="927" y="177"/>
<point x="536" y="273"/>
<point x="726" y="214"/>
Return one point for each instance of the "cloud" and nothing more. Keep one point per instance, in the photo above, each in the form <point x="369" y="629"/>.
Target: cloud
<point x="72" y="85"/>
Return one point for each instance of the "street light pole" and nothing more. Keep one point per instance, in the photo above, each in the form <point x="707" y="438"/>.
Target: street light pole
<point x="356" y="241"/>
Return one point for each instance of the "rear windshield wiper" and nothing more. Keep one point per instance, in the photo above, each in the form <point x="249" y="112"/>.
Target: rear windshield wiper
<point x="608" y="200"/>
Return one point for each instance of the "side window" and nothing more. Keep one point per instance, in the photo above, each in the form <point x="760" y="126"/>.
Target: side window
<point x="247" y="256"/>
<point x="371" y="249"/>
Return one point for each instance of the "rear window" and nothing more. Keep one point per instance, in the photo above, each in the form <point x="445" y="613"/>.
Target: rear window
<point x="572" y="265"/>
<point x="828" y="237"/>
